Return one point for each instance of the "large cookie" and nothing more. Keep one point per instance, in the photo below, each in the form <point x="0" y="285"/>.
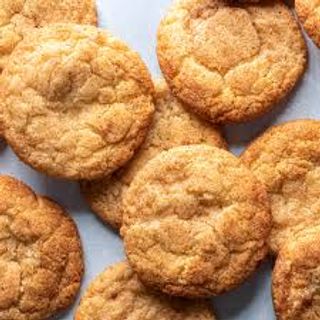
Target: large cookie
<point x="172" y="126"/>
<point x="296" y="277"/>
<point x="40" y="254"/>
<point x="196" y="222"/>
<point x="77" y="102"/>
<point x="230" y="62"/>
<point x="309" y="14"/>
<point x="286" y="159"/>
<point x="117" y="294"/>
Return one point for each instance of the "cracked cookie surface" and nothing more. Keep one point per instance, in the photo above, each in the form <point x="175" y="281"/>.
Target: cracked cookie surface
<point x="172" y="126"/>
<point x="296" y="277"/>
<point x="41" y="262"/>
<point x="117" y="294"/>
<point x="18" y="17"/>
<point x="77" y="102"/>
<point x="234" y="61"/>
<point x="200" y="224"/>
<point x="309" y="14"/>
<point x="286" y="159"/>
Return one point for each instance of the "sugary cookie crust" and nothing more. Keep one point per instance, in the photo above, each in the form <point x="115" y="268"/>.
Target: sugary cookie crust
<point x="77" y="101"/>
<point x="309" y="14"/>
<point x="117" y="294"/>
<point x="234" y="61"/>
<point x="296" y="277"/>
<point x="172" y="126"/>
<point x="40" y="254"/>
<point x="196" y="222"/>
<point x="286" y="159"/>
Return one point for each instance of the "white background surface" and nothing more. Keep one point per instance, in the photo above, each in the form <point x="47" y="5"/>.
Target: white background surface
<point x="135" y="21"/>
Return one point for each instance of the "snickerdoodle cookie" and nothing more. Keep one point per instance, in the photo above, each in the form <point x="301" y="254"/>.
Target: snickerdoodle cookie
<point x="296" y="277"/>
<point x="230" y="62"/>
<point x="117" y="294"/>
<point x="18" y="17"/>
<point x="309" y="14"/>
<point x="77" y="102"/>
<point x="286" y="159"/>
<point x="196" y="221"/>
<point x="172" y="126"/>
<point x="40" y="254"/>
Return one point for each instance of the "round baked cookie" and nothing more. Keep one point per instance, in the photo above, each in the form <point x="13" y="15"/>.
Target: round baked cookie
<point x="117" y="294"/>
<point x="196" y="222"/>
<point x="41" y="263"/>
<point x="286" y="159"/>
<point x="172" y="126"/>
<point x="296" y="277"/>
<point x="77" y="102"/>
<point x="234" y="61"/>
<point x="18" y="17"/>
<point x="309" y="14"/>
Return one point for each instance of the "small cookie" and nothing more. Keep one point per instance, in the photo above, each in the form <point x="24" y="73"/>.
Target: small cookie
<point x="172" y="126"/>
<point x="286" y="159"/>
<point x="117" y="294"/>
<point x="234" y="61"/>
<point x="196" y="222"/>
<point x="296" y="277"/>
<point x="309" y="14"/>
<point x="77" y="101"/>
<point x="41" y="263"/>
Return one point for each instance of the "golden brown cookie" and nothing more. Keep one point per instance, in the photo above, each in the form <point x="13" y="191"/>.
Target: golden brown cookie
<point x="77" y="101"/>
<point x="172" y="126"/>
<point x="18" y="17"/>
<point x="233" y="61"/>
<point x="117" y="294"/>
<point x="41" y="262"/>
<point x="286" y="159"/>
<point x="309" y="14"/>
<point x="196" y="222"/>
<point x="296" y="277"/>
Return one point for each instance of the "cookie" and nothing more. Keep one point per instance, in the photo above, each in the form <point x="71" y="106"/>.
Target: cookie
<point x="286" y="159"/>
<point x="77" y="102"/>
<point x="196" y="222"/>
<point x="117" y="294"/>
<point x="309" y="14"/>
<point x="18" y="17"/>
<point x="296" y="277"/>
<point x="234" y="61"/>
<point x="172" y="126"/>
<point x="41" y="263"/>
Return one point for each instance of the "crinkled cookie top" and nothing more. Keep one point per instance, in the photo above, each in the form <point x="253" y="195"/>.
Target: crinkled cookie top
<point x="117" y="294"/>
<point x="172" y="126"/>
<point x="196" y="222"/>
<point x="230" y="62"/>
<point x="18" y="17"/>
<point x="296" y="277"/>
<point x="40" y="255"/>
<point x="77" y="102"/>
<point x="287" y="160"/>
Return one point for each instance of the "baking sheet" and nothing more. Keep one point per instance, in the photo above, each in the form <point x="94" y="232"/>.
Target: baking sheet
<point x="136" y="21"/>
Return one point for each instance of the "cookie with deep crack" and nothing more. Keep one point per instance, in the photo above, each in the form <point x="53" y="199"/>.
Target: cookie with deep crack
<point x="18" y="17"/>
<point x="296" y="277"/>
<point x="196" y="222"/>
<point x="77" y="101"/>
<point x="309" y="14"/>
<point x="117" y="294"/>
<point x="172" y="126"/>
<point x="234" y="61"/>
<point x="286" y="159"/>
<point x="41" y="263"/>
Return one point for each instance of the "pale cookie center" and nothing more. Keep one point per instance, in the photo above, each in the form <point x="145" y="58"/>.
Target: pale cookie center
<point x="225" y="39"/>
